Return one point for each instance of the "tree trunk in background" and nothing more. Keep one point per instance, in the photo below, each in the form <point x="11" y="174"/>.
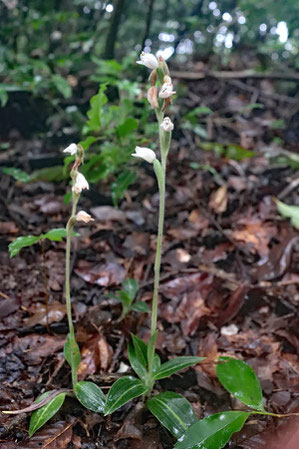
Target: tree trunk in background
<point x="149" y="14"/>
<point x="113" y="29"/>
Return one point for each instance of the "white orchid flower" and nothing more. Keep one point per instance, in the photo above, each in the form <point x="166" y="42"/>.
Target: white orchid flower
<point x="166" y="90"/>
<point x="84" y="216"/>
<point x="167" y="125"/>
<point x="148" y="60"/>
<point x="72" y="149"/>
<point x="146" y="154"/>
<point x="80" y="184"/>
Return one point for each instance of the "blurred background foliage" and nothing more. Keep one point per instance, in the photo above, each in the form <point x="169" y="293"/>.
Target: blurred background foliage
<point x="54" y="54"/>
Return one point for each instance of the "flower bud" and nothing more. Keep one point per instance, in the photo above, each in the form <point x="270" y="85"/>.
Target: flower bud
<point x="148" y="60"/>
<point x="83" y="216"/>
<point x="166" y="90"/>
<point x="152" y="96"/>
<point x="167" y="125"/>
<point x="80" y="184"/>
<point x="71" y="149"/>
<point x="163" y="65"/>
<point x="167" y="79"/>
<point x="145" y="153"/>
<point x="153" y="77"/>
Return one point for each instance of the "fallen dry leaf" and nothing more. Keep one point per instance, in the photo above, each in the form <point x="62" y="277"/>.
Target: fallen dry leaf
<point x="96" y="354"/>
<point x="256" y="234"/>
<point x="105" y="275"/>
<point x="218" y="200"/>
<point x="56" y="312"/>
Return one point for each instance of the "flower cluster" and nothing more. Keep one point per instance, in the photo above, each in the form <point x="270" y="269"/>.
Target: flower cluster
<point x="158" y="99"/>
<point x="79" y="181"/>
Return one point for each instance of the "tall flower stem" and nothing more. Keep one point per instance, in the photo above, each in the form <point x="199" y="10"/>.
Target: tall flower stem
<point x="69" y="229"/>
<point x="160" y="171"/>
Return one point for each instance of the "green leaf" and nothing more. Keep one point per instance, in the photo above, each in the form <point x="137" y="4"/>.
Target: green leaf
<point x="17" y="174"/>
<point x="91" y="396"/>
<point x="96" y="109"/>
<point x="62" y="85"/>
<point x="173" y="411"/>
<point x="174" y="365"/>
<point x="121" y="184"/>
<point x="240" y="380"/>
<point x="150" y="353"/>
<point x="137" y="362"/>
<point x="131" y="287"/>
<point x="72" y="352"/>
<point x="42" y="415"/>
<point x="140" y="306"/>
<point x="291" y="212"/>
<point x="124" y="298"/>
<point x="122" y="391"/>
<point x="54" y="173"/>
<point x="129" y="125"/>
<point x="212" y="432"/>
<point x="21" y="242"/>
<point x="55" y="235"/>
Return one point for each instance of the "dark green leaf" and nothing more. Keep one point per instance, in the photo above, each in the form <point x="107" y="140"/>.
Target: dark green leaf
<point x="212" y="432"/>
<point x="17" y="174"/>
<point x="151" y="346"/>
<point x="91" y="396"/>
<point x="130" y="286"/>
<point x="173" y="411"/>
<point x="174" y="365"/>
<point x="21" y="242"/>
<point x="72" y="352"/>
<point x="54" y="173"/>
<point x="137" y="361"/>
<point x="42" y="415"/>
<point x="140" y="347"/>
<point x="124" y="298"/>
<point x="240" y="380"/>
<point x="140" y="306"/>
<point x="122" y="391"/>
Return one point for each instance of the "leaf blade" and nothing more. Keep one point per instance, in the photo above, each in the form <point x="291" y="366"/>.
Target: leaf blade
<point x="239" y="379"/>
<point x="173" y="411"/>
<point x="175" y="365"/>
<point x="123" y="391"/>
<point x="72" y="352"/>
<point x="42" y="415"/>
<point x="21" y="242"/>
<point x="212" y="432"/>
<point x="90" y="396"/>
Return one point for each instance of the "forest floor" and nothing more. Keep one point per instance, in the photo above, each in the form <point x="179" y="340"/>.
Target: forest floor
<point x="229" y="281"/>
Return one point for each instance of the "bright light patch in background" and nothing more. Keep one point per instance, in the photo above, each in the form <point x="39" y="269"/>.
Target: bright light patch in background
<point x="109" y="8"/>
<point x="212" y="5"/>
<point x="216" y="12"/>
<point x="242" y="20"/>
<point x="97" y="5"/>
<point x="282" y="31"/>
<point x="165" y="53"/>
<point x="229" y="40"/>
<point x="166" y="37"/>
<point x="185" y="47"/>
<point x="227" y="17"/>
<point x="263" y="27"/>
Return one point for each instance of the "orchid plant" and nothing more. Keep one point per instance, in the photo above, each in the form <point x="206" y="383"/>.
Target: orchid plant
<point x="171" y="409"/>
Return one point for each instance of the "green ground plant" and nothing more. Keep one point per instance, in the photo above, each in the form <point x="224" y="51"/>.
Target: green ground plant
<point x="171" y="409"/>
